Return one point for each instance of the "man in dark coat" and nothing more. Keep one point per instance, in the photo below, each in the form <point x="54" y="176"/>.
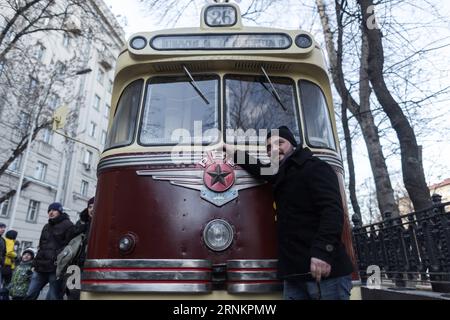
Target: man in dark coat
<point x="55" y="235"/>
<point x="2" y="250"/>
<point x="82" y="226"/>
<point x="312" y="258"/>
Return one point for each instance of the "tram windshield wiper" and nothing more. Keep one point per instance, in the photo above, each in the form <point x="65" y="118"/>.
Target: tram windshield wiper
<point x="272" y="89"/>
<point x="195" y="85"/>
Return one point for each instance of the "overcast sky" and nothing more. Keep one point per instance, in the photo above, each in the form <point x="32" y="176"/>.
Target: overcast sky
<point x="436" y="152"/>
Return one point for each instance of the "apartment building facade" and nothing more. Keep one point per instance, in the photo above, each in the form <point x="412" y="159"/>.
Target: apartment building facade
<point x="59" y="169"/>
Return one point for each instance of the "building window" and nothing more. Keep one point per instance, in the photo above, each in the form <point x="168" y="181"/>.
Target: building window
<point x="24" y="121"/>
<point x="54" y="101"/>
<point x="100" y="76"/>
<point x="103" y="137"/>
<point x="33" y="211"/>
<point x="15" y="165"/>
<point x="84" y="188"/>
<point x="40" y="52"/>
<point x="41" y="171"/>
<point x="97" y="101"/>
<point x="4" y="209"/>
<point x="60" y="68"/>
<point x="92" y="129"/>
<point x="110" y="86"/>
<point x="88" y="157"/>
<point x="47" y="136"/>
<point x="33" y="84"/>
<point x="107" y="110"/>
<point x="66" y="40"/>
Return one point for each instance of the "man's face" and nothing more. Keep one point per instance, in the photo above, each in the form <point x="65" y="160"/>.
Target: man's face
<point x="52" y="214"/>
<point x="91" y="210"/>
<point x="2" y="230"/>
<point x="278" y="148"/>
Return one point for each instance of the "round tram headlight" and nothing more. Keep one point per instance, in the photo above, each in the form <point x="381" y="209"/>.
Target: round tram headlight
<point x="218" y="235"/>
<point x="303" y="41"/>
<point x="127" y="243"/>
<point x="138" y="43"/>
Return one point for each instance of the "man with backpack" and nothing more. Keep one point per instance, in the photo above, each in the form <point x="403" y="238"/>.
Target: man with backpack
<point x="55" y="235"/>
<point x="75" y="252"/>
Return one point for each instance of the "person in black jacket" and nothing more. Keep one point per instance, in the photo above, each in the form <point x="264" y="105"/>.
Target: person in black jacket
<point x="55" y="235"/>
<point x="312" y="258"/>
<point x="2" y="250"/>
<point x="82" y="226"/>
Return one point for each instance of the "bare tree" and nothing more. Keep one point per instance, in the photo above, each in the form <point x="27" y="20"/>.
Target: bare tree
<point x="411" y="155"/>
<point x="29" y="94"/>
<point x="30" y="89"/>
<point x="361" y="111"/>
<point x="170" y="12"/>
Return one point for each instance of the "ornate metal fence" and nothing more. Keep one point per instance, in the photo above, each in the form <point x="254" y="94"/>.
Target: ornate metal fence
<point x="411" y="250"/>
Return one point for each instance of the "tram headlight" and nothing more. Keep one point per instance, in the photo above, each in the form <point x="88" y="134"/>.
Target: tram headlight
<point x="138" y="43"/>
<point x="218" y="235"/>
<point x="303" y="41"/>
<point x="127" y="243"/>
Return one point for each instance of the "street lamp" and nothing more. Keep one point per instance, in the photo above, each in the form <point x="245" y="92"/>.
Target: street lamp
<point x="25" y="160"/>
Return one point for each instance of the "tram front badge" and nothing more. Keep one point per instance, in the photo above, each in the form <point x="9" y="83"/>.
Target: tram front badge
<point x="219" y="182"/>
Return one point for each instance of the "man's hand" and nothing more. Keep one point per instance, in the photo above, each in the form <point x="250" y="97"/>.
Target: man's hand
<point x="319" y="269"/>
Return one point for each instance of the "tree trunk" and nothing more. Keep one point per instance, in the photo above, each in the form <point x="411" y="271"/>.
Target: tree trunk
<point x="362" y="113"/>
<point x="385" y="192"/>
<point x="411" y="158"/>
<point x="350" y="163"/>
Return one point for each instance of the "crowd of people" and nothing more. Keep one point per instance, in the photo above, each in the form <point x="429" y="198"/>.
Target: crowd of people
<point x="24" y="277"/>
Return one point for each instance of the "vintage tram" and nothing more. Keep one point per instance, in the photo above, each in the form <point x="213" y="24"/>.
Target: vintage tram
<point x="174" y="217"/>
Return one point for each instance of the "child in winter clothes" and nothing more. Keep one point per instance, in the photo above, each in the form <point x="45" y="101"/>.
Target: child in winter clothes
<point x="21" y="277"/>
<point x="10" y="258"/>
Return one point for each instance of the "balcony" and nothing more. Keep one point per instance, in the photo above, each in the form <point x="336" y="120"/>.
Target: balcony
<point x="105" y="59"/>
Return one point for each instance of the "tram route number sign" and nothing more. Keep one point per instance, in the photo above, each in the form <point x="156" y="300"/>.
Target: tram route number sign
<point x="220" y="16"/>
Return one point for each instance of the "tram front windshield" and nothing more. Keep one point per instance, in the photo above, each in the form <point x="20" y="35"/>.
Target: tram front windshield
<point x="252" y="108"/>
<point x="180" y="111"/>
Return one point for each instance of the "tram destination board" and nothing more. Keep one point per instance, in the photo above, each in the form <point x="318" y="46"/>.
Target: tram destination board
<point x="240" y="41"/>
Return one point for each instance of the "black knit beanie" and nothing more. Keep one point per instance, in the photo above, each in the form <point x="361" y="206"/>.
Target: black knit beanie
<point x="285" y="133"/>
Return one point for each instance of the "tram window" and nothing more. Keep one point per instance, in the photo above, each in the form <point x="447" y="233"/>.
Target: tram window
<point x="317" y="119"/>
<point x="124" y="123"/>
<point x="176" y="113"/>
<point x="251" y="107"/>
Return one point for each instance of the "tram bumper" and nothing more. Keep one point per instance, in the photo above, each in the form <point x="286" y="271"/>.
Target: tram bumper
<point x="179" y="279"/>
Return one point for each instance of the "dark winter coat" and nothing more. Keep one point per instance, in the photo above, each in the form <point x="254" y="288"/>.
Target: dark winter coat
<point x="82" y="227"/>
<point x="55" y="235"/>
<point x="2" y="251"/>
<point x="310" y="215"/>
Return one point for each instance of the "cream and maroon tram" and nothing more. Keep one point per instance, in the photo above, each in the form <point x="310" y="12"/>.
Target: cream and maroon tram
<point x="174" y="217"/>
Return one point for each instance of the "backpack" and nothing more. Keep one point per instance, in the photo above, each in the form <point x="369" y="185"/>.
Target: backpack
<point x="69" y="255"/>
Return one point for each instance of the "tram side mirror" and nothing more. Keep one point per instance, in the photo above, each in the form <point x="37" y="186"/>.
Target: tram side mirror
<point x="60" y="117"/>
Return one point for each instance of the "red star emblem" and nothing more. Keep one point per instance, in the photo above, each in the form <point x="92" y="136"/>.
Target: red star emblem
<point x="219" y="177"/>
